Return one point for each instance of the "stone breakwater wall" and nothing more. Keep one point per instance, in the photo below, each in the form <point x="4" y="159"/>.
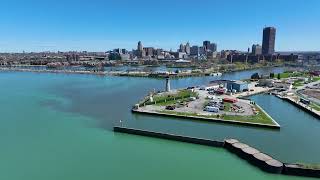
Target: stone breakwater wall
<point x="244" y="151"/>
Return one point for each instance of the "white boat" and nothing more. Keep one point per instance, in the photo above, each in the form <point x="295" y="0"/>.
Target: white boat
<point x="216" y="74"/>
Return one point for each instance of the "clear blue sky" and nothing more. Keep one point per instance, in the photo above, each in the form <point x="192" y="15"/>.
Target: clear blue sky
<point x="99" y="25"/>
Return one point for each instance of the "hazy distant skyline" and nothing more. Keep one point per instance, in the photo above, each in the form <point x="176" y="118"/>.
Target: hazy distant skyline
<point x="100" y="25"/>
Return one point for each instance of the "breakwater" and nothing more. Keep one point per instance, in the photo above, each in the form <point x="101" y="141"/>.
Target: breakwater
<point x="174" y="137"/>
<point x="244" y="151"/>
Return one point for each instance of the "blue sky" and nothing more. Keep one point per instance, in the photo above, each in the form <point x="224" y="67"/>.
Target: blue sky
<point x="100" y="25"/>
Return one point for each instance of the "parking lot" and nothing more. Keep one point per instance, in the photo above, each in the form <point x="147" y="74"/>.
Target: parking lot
<point x="241" y="107"/>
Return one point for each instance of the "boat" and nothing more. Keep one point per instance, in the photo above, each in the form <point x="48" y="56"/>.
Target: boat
<point x="216" y="74"/>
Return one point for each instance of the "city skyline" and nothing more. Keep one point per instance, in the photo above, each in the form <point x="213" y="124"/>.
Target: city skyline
<point x="98" y="26"/>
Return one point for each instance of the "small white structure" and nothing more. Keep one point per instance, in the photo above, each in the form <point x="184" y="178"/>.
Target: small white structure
<point x="211" y="97"/>
<point x="168" y="84"/>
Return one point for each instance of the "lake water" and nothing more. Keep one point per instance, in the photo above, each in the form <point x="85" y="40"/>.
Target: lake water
<point x="59" y="126"/>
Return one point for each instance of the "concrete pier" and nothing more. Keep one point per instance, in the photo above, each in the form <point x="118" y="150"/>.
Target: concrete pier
<point x="297" y="170"/>
<point x="250" y="154"/>
<point x="174" y="137"/>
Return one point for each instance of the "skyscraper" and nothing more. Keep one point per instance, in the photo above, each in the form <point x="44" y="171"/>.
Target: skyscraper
<point x="140" y="47"/>
<point x="149" y="51"/>
<point x="187" y="48"/>
<point x="256" y="49"/>
<point x="140" y="51"/>
<point x="212" y="47"/>
<point x="194" y="51"/>
<point x="268" y="41"/>
<point x="206" y="45"/>
<point x="182" y="48"/>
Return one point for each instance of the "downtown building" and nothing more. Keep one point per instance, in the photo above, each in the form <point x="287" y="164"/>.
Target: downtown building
<point x="256" y="49"/>
<point x="268" y="40"/>
<point x="208" y="46"/>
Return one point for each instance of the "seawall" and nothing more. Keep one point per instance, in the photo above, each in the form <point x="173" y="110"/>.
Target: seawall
<point x="174" y="137"/>
<point x="244" y="151"/>
<point x="276" y="126"/>
<point x="314" y="114"/>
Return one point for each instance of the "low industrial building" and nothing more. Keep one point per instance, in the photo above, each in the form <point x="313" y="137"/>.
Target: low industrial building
<point x="238" y="86"/>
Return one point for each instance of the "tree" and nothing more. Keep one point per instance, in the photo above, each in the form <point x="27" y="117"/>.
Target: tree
<point x="271" y="75"/>
<point x="279" y="76"/>
<point x="255" y="76"/>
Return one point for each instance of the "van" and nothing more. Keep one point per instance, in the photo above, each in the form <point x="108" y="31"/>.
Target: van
<point x="212" y="109"/>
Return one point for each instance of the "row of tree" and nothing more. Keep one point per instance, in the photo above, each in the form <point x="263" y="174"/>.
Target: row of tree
<point x="271" y="76"/>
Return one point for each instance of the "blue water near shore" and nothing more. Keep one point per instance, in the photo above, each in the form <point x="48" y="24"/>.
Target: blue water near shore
<point x="59" y="126"/>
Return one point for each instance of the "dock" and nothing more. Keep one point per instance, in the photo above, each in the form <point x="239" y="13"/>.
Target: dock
<point x="253" y="156"/>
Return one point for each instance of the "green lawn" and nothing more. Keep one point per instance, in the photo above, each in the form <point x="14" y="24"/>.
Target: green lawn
<point x="292" y="74"/>
<point x="227" y="106"/>
<point x="314" y="79"/>
<point x="261" y="117"/>
<point x="315" y="106"/>
<point x="284" y="75"/>
<point x="298" y="83"/>
<point x="172" y="98"/>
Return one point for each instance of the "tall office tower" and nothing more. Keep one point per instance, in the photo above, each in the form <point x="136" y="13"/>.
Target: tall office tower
<point x="140" y="47"/>
<point x="187" y="48"/>
<point x="268" y="41"/>
<point x="206" y="45"/>
<point x="149" y="51"/>
<point x="194" y="51"/>
<point x="256" y="49"/>
<point x="182" y="48"/>
<point x="212" y="47"/>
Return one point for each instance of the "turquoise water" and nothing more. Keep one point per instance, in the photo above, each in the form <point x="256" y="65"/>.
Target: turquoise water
<point x="58" y="126"/>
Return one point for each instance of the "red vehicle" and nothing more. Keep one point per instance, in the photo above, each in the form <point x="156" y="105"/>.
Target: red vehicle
<point x="220" y="91"/>
<point x="230" y="100"/>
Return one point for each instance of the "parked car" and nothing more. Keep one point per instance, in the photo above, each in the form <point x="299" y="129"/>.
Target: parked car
<point x="170" y="108"/>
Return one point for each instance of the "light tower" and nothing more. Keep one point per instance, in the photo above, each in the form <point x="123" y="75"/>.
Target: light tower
<point x="167" y="84"/>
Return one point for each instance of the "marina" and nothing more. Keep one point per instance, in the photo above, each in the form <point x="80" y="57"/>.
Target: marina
<point x="60" y="105"/>
<point x="220" y="101"/>
<point x="160" y="90"/>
